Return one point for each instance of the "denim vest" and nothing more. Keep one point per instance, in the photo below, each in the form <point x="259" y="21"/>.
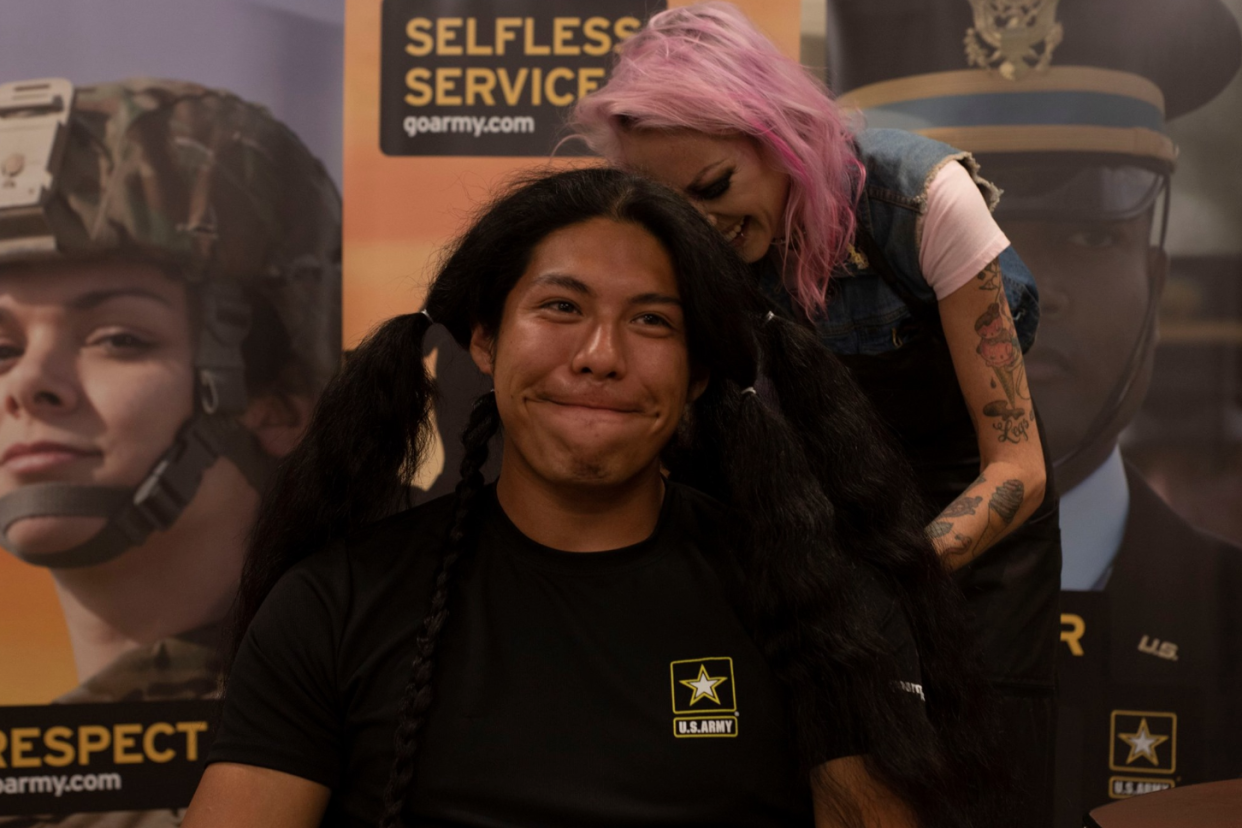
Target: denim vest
<point x="867" y="316"/>
<point x="883" y="323"/>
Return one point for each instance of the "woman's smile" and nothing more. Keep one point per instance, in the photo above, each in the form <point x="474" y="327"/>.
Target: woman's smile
<point x="727" y="177"/>
<point x="36" y="458"/>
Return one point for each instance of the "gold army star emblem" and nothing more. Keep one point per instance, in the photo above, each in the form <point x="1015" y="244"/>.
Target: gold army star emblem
<point x="1007" y="34"/>
<point x="704" y="686"/>
<point x="1142" y="743"/>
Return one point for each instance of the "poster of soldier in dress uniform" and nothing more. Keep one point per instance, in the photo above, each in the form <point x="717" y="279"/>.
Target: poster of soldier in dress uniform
<point x="170" y="239"/>
<point x="1112" y="128"/>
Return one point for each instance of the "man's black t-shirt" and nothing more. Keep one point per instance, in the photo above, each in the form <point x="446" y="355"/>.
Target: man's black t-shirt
<point x="572" y="689"/>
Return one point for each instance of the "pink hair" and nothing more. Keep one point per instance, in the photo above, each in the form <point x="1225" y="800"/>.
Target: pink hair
<point x="706" y="68"/>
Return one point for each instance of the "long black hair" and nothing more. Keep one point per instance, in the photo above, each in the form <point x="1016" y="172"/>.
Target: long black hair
<point x="821" y="500"/>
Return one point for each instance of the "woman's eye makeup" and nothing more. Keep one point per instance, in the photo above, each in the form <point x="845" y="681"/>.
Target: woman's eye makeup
<point x="713" y="189"/>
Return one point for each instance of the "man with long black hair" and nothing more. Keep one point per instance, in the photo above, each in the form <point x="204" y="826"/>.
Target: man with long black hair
<point x="768" y="641"/>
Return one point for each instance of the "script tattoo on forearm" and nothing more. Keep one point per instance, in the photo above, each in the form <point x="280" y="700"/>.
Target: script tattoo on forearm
<point x="1000" y="350"/>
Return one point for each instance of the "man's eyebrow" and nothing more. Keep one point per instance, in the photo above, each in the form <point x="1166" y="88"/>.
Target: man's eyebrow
<point x="565" y="281"/>
<point x="655" y="299"/>
<point x="95" y="298"/>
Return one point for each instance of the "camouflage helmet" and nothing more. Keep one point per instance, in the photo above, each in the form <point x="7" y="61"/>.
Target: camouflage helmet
<point x="215" y="191"/>
<point x="201" y="180"/>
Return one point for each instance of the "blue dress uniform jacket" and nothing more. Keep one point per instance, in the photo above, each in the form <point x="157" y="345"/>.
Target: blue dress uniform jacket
<point x="1150" y="669"/>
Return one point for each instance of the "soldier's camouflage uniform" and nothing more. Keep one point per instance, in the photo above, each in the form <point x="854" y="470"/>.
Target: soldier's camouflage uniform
<point x="182" y="667"/>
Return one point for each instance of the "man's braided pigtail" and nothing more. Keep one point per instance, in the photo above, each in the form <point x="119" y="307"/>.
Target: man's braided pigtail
<point x="418" y="695"/>
<point x="364" y="444"/>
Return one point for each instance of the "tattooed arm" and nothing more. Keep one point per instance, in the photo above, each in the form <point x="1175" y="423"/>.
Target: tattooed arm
<point x="988" y="361"/>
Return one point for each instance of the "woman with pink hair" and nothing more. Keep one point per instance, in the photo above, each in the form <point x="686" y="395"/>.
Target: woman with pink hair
<point x="883" y="242"/>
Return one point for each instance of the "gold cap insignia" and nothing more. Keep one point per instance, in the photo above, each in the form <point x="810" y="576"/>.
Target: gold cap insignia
<point x="12" y="166"/>
<point x="1012" y="37"/>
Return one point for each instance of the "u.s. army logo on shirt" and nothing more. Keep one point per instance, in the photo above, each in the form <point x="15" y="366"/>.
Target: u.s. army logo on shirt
<point x="704" y="697"/>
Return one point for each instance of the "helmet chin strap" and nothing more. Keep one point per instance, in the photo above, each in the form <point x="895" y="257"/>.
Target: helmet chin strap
<point x="133" y="514"/>
<point x="1121" y="393"/>
<point x="1126" y="384"/>
<point x="156" y="503"/>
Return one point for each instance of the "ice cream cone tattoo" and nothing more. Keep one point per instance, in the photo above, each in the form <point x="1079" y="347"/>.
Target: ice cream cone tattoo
<point x="1000" y="351"/>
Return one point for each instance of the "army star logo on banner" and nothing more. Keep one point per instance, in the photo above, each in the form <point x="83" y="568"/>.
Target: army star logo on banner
<point x="1142" y="743"/>
<point x="1139" y="741"/>
<point x="1007" y="34"/>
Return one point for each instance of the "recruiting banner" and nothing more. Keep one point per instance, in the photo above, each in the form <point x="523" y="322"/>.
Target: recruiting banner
<point x="447" y="100"/>
<point x="169" y="312"/>
<point x="103" y="757"/>
<point x="501" y="80"/>
<point x="406" y="195"/>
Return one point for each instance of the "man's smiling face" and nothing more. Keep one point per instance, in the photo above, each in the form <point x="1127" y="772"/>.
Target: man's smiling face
<point x="590" y="362"/>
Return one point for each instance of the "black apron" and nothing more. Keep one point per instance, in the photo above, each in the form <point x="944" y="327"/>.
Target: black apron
<point x="1012" y="589"/>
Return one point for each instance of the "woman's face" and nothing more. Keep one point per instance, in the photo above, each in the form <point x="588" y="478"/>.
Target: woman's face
<point x="728" y="178"/>
<point x="590" y="362"/>
<point x="96" y="378"/>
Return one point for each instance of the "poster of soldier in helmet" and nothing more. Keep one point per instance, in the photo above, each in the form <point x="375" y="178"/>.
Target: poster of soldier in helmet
<point x="1111" y="126"/>
<point x="170" y="243"/>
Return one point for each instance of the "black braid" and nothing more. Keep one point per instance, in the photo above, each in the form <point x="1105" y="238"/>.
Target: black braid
<point x="418" y="695"/>
<point x="365" y="441"/>
<point x="787" y="542"/>
<point x="881" y="520"/>
<point x="813" y="388"/>
<point x="799" y="567"/>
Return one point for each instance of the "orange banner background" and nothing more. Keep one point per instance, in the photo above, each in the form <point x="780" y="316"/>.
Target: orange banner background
<point x="398" y="213"/>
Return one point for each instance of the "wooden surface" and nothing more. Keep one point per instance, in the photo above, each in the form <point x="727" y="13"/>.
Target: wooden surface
<point x="1210" y="805"/>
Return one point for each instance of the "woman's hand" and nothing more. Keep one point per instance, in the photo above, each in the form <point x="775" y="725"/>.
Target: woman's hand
<point x="245" y="796"/>
<point x="988" y="361"/>
<point x="844" y="793"/>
